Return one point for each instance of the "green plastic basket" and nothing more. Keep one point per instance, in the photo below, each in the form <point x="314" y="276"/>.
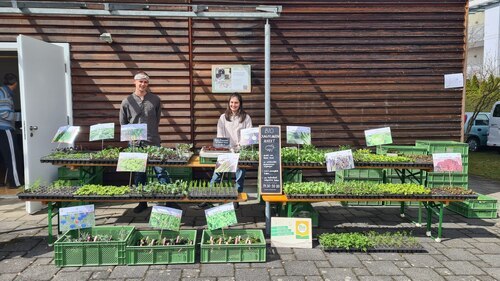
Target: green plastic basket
<point x="233" y="253"/>
<point x="93" y="253"/>
<point x="471" y="213"/>
<point x="418" y="176"/>
<point x="208" y="160"/>
<point x="483" y="202"/>
<point x="401" y="149"/>
<point x="444" y="146"/>
<point x="143" y="255"/>
<point x="443" y="179"/>
<point x="292" y="175"/>
<point x="372" y="175"/>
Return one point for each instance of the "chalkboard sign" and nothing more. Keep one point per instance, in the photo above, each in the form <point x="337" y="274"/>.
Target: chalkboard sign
<point x="221" y="143"/>
<point x="270" y="159"/>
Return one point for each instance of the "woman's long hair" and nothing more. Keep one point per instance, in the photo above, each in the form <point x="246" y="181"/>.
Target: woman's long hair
<point x="241" y="112"/>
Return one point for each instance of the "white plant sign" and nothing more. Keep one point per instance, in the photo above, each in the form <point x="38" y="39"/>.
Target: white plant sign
<point x="249" y="136"/>
<point x="134" y="132"/>
<point x="66" y="134"/>
<point x="298" y="135"/>
<point x="339" y="160"/>
<point x="132" y="162"/>
<point x="447" y="162"/>
<point x="227" y="163"/>
<point x="102" y="131"/>
<point x="378" y="136"/>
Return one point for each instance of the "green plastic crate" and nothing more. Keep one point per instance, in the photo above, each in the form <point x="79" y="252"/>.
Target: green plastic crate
<point x="472" y="214"/>
<point x="401" y="149"/>
<point x="292" y="175"/>
<point x="65" y="173"/>
<point x="362" y="203"/>
<point x="391" y="176"/>
<point x="444" y="146"/>
<point x="208" y="160"/>
<point x="93" y="253"/>
<point x="443" y="179"/>
<point x="483" y="202"/>
<point x="143" y="255"/>
<point x="233" y="253"/>
<point x="372" y="175"/>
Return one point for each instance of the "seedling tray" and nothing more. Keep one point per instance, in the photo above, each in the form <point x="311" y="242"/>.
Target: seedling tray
<point x="93" y="253"/>
<point x="381" y="196"/>
<point x="381" y="249"/>
<point x="233" y="253"/>
<point x="144" y="255"/>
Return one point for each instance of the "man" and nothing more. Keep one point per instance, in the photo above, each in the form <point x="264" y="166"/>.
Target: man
<point x="143" y="107"/>
<point x="8" y="138"/>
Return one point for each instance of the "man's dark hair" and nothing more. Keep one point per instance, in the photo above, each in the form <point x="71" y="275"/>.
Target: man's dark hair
<point x="9" y="79"/>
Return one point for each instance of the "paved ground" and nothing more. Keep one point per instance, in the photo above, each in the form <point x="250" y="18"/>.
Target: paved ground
<point x="470" y="249"/>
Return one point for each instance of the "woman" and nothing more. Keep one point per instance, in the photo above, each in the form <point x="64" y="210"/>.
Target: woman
<point x="229" y="126"/>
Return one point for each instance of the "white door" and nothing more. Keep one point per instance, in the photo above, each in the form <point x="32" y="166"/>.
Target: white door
<point x="494" y="133"/>
<point x="42" y="84"/>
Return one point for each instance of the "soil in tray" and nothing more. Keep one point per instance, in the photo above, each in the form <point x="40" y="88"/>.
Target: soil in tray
<point x="379" y="249"/>
<point x="149" y="241"/>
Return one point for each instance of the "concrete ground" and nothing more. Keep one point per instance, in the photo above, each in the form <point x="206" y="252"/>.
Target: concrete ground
<point x="470" y="249"/>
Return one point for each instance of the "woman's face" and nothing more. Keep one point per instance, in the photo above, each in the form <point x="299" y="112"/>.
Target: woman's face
<point x="234" y="104"/>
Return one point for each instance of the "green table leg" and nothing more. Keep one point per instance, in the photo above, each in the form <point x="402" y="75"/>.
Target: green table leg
<point x="440" y="229"/>
<point x="49" y="214"/>
<point x="435" y="209"/>
<point x="429" y="219"/>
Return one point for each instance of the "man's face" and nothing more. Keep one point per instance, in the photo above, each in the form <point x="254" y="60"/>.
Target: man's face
<point x="141" y="85"/>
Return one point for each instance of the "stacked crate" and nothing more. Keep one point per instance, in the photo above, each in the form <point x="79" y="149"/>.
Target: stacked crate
<point x="484" y="206"/>
<point x="298" y="209"/>
<point x="437" y="179"/>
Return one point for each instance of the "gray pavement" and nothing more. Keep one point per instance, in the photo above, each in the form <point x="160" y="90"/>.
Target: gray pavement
<point x="470" y="249"/>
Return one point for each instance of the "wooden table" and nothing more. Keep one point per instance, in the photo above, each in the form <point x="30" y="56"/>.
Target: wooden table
<point x="432" y="206"/>
<point x="57" y="203"/>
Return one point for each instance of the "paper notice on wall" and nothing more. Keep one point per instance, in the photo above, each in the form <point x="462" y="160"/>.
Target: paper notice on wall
<point x="454" y="80"/>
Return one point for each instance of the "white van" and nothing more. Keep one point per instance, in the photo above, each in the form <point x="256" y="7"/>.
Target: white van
<point x="494" y="133"/>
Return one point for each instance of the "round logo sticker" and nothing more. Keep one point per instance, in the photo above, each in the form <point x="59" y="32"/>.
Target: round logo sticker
<point x="302" y="227"/>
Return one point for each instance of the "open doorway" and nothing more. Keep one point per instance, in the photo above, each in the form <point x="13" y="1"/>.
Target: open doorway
<point x="9" y="64"/>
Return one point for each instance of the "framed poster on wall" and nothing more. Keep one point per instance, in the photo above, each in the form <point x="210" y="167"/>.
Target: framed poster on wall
<point x="231" y="78"/>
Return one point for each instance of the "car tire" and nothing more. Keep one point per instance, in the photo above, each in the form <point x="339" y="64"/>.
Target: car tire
<point x="473" y="144"/>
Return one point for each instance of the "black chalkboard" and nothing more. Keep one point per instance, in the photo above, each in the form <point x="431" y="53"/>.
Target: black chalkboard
<point x="270" y="159"/>
<point x="221" y="143"/>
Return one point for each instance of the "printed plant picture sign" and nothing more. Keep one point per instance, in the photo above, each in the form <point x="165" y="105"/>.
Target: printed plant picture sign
<point x="339" y="160"/>
<point x="249" y="136"/>
<point x="76" y="217"/>
<point x="298" y="135"/>
<point x="220" y="216"/>
<point x="378" y="136"/>
<point x="447" y="162"/>
<point x="132" y="162"/>
<point x="66" y="134"/>
<point x="102" y="131"/>
<point x="134" y="132"/>
<point x="165" y="218"/>
<point x="227" y="163"/>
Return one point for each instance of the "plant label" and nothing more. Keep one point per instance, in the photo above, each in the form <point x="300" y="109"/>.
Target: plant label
<point x="378" y="136"/>
<point x="134" y="132"/>
<point x="298" y="135"/>
<point x="66" y="134"/>
<point x="270" y="159"/>
<point x="339" y="160"/>
<point x="249" y="136"/>
<point x="221" y="143"/>
<point x="454" y="80"/>
<point x="132" y="162"/>
<point x="165" y="218"/>
<point x="291" y="232"/>
<point x="220" y="216"/>
<point x="227" y="163"/>
<point x="102" y="131"/>
<point x="76" y="217"/>
<point x="447" y="162"/>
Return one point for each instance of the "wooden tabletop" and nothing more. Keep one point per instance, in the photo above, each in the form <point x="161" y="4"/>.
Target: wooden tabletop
<point x="284" y="199"/>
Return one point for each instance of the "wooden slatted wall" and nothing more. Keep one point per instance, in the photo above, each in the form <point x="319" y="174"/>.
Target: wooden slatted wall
<point x="339" y="67"/>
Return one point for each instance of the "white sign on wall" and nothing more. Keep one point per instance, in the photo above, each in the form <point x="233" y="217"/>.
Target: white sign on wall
<point x="231" y="79"/>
